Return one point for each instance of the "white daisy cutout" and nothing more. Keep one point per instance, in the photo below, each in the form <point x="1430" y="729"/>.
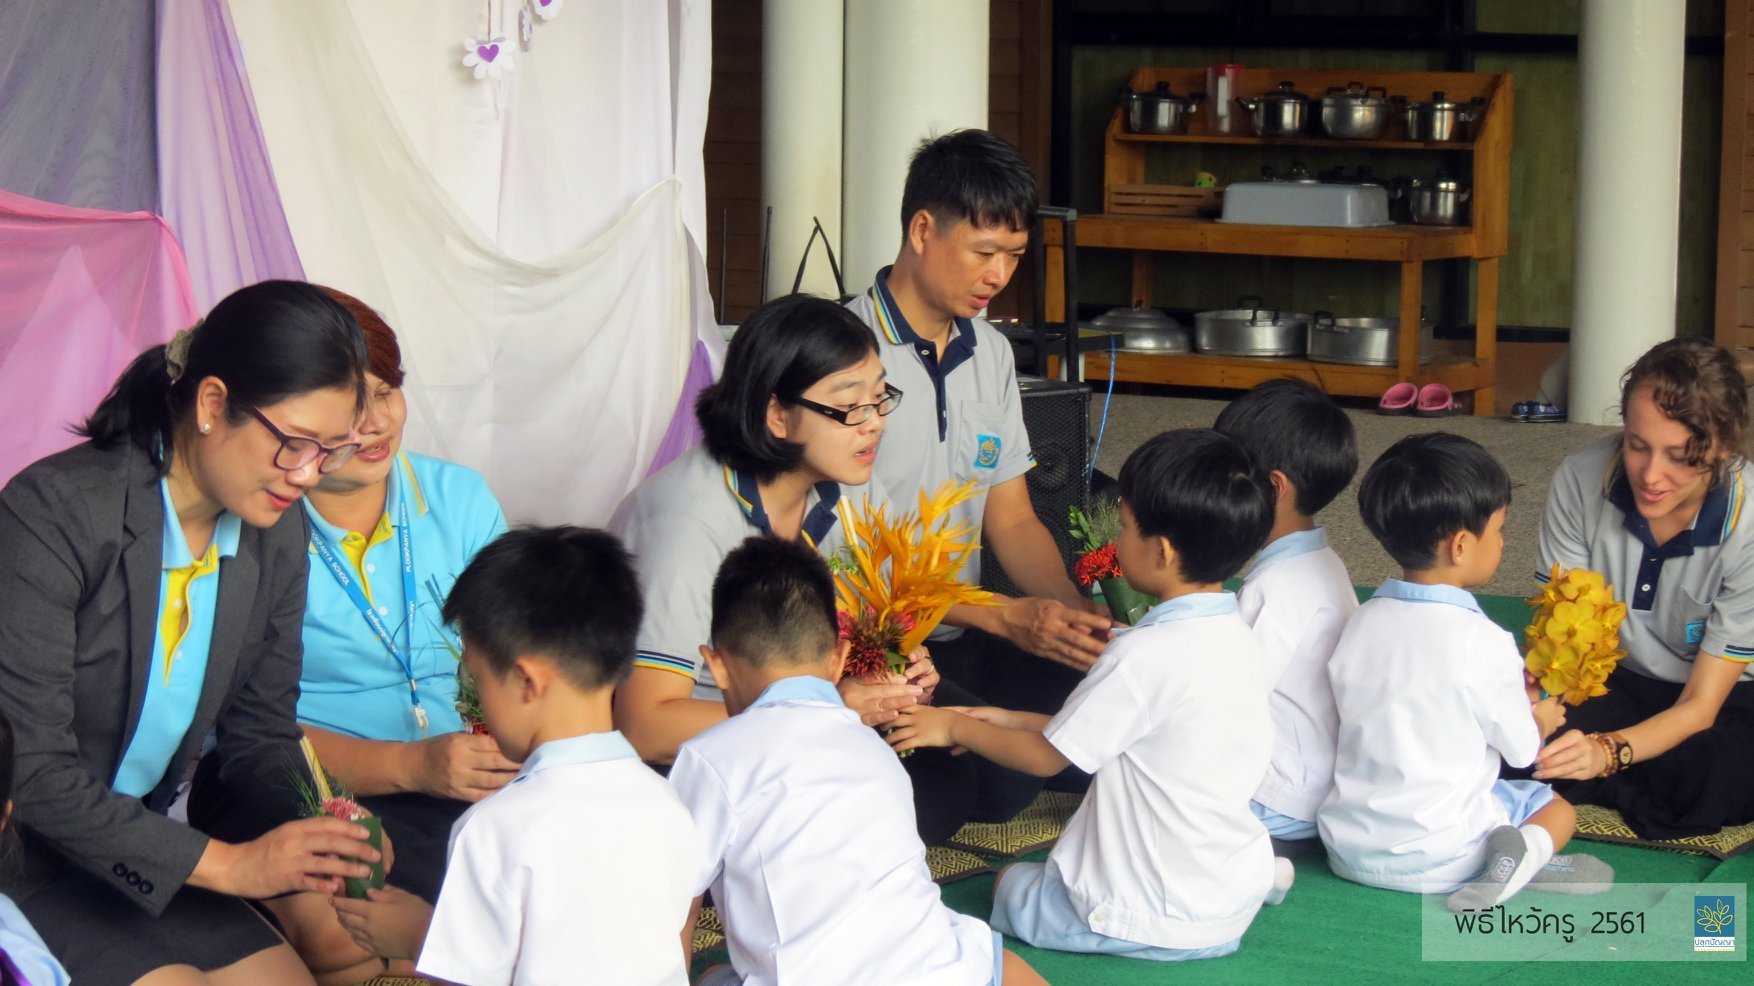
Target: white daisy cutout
<point x="547" y="9"/>
<point x="490" y="58"/>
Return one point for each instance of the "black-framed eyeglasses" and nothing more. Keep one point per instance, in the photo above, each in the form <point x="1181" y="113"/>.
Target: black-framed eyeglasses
<point x="296" y="451"/>
<point x="858" y="414"/>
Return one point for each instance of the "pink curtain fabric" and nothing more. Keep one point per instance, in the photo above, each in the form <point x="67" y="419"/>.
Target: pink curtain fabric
<point x="82" y="291"/>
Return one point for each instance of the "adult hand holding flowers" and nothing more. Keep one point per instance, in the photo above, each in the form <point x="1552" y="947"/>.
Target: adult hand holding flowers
<point x="464" y="766"/>
<point x="878" y="695"/>
<point x="313" y="854"/>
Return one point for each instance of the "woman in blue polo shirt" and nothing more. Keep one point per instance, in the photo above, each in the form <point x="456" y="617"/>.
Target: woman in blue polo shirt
<point x="152" y="586"/>
<point x="790" y="429"/>
<point x="1660" y="510"/>
<point x="390" y="532"/>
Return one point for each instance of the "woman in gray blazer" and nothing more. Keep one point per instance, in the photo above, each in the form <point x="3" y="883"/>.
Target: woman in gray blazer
<point x="152" y="587"/>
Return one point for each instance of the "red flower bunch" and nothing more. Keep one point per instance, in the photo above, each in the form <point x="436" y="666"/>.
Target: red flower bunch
<point x="876" y="650"/>
<point x="346" y="809"/>
<point x="1097" y="565"/>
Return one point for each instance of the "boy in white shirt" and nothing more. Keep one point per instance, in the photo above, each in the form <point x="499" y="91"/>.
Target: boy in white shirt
<point x="805" y="816"/>
<point x="581" y="869"/>
<point x="1163" y="860"/>
<point x="1432" y="695"/>
<point x="1297" y="596"/>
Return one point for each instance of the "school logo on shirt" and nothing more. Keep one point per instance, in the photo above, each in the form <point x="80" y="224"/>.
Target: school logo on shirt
<point x="1714" y="923"/>
<point x="1696" y="631"/>
<point x="986" y="451"/>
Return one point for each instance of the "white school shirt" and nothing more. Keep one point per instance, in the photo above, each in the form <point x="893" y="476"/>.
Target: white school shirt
<point x="806" y="819"/>
<point x="1172" y="720"/>
<point x="1297" y="598"/>
<point x="580" y="870"/>
<point x="1430" y="693"/>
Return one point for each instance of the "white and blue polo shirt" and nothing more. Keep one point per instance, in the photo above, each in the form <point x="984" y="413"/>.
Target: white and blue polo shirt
<point x="351" y="685"/>
<point x="963" y="416"/>
<point x="679" y="526"/>
<point x="1693" y="595"/>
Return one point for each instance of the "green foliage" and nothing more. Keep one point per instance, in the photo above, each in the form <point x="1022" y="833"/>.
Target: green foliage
<point x="1097" y="527"/>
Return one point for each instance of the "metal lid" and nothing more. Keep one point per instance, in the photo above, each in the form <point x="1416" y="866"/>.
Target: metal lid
<point x="1356" y="93"/>
<point x="1441" y="182"/>
<point x="1286" y="93"/>
<point x="1438" y="102"/>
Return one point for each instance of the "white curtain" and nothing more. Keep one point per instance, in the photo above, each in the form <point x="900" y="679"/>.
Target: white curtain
<point x="533" y="240"/>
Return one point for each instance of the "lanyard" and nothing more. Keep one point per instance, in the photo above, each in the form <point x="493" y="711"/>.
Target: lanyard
<point x="367" y="610"/>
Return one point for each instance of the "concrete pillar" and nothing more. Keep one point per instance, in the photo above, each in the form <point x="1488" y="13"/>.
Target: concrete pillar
<point x="914" y="68"/>
<point x="1628" y="194"/>
<point x="801" y="107"/>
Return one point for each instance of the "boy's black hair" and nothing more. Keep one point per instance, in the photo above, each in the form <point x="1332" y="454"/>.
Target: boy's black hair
<point x="773" y="604"/>
<point x="781" y="350"/>
<point x="1291" y="426"/>
<point x="1425" y="489"/>
<point x="972" y="175"/>
<point x="564" y="593"/>
<point x="1199" y="489"/>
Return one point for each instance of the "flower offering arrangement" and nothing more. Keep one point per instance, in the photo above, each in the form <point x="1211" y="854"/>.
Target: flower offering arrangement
<point x="1574" y="637"/>
<point x="324" y="796"/>
<point x="896" y="578"/>
<point x="1095" y="530"/>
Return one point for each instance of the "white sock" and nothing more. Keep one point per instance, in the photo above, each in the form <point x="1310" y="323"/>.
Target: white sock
<point x="1284" y="875"/>
<point x="1540" y="844"/>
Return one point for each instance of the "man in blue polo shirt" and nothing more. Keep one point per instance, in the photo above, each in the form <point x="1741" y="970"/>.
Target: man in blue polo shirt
<point x="966" y="210"/>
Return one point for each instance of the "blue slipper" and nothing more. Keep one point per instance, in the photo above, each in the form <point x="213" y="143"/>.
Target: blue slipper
<point x="1542" y="412"/>
<point x="1520" y="410"/>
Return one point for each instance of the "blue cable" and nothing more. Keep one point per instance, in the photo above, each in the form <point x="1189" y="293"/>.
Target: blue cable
<point x="1106" y="397"/>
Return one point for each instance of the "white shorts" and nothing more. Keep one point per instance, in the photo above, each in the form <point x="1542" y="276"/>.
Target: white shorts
<point x="1030" y="903"/>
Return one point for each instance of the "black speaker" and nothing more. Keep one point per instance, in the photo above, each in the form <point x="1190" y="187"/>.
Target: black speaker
<point x="1057" y="416"/>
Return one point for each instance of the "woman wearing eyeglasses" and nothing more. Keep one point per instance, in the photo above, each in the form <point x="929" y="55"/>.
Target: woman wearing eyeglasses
<point x="389" y="533"/>
<point x="790" y="429"/>
<point x="152" y="590"/>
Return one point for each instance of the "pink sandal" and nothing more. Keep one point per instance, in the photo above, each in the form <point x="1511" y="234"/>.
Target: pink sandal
<point x="1398" y="399"/>
<point x="1436" y="401"/>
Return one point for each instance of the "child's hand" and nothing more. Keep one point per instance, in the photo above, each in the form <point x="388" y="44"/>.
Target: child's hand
<point x="923" y="725"/>
<point x="1531" y="686"/>
<point x="391" y="923"/>
<point x="1549" y="715"/>
<point x="988" y="713"/>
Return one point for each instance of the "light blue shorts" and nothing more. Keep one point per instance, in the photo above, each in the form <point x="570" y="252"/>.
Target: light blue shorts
<point x="1031" y="904"/>
<point x="724" y="975"/>
<point x="1521" y="799"/>
<point x="1282" y="826"/>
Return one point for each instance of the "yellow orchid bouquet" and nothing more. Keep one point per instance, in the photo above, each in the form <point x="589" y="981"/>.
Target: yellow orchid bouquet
<point x="896" y="577"/>
<point x="1574" y="637"/>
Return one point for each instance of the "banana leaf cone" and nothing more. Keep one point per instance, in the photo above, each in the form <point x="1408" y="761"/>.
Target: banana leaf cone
<point x="1125" y="603"/>
<point x="356" y="886"/>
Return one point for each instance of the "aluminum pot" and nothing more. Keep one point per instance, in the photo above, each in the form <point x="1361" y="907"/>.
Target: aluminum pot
<point x="1439" y="201"/>
<point x="1442" y="119"/>
<point x="1284" y="112"/>
<point x="1356" y="112"/>
<point x="1253" y="330"/>
<point x="1159" y="111"/>
<point x="1145" y="330"/>
<point x="1362" y="341"/>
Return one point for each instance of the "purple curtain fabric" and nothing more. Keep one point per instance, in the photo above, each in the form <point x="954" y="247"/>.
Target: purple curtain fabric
<point x="82" y="292"/>
<point x="76" y="104"/>
<point x="218" y="189"/>
<point x="684" y="430"/>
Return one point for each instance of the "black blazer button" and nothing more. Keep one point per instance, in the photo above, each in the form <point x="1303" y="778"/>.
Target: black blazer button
<point x="145" y="886"/>
<point x="120" y="869"/>
<point x="133" y="878"/>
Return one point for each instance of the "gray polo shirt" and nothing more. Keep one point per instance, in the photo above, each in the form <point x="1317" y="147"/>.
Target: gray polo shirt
<point x="962" y="418"/>
<point x="679" y="525"/>
<point x="1694" y="594"/>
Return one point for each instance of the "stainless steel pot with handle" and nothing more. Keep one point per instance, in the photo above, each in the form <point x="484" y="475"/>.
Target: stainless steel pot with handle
<point x="1357" y="112"/>
<point x="1362" y="341"/>
<point x="1440" y="201"/>
<point x="1159" y="111"/>
<point x="1251" y="329"/>
<point x="1144" y="330"/>
<point x="1284" y="112"/>
<point x="1441" y="119"/>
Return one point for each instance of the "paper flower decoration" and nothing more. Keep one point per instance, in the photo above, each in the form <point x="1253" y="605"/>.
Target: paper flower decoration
<point x="489" y="59"/>
<point x="1574" y="637"/>
<point x="904" y="570"/>
<point x="547" y="9"/>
